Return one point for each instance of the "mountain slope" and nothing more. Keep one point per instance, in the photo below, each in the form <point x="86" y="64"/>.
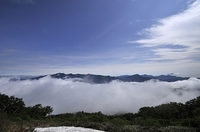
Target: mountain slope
<point x="99" y="79"/>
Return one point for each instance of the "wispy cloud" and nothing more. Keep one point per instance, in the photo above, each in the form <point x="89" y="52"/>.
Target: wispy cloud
<point x="181" y="30"/>
<point x="23" y="1"/>
<point x="7" y="52"/>
<point x="68" y="96"/>
<point x="167" y="53"/>
<point x="185" y="67"/>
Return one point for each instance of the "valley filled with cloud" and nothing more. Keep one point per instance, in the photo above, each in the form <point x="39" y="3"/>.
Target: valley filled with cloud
<point x="68" y="96"/>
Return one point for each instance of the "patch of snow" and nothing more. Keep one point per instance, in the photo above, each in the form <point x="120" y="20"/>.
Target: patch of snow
<point x="65" y="129"/>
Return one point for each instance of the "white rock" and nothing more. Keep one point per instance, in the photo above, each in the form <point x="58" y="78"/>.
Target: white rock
<point x="65" y="129"/>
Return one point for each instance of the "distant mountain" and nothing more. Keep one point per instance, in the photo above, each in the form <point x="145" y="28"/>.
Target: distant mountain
<point x="99" y="79"/>
<point x="169" y="78"/>
<point x="133" y="78"/>
<point x="38" y="77"/>
<point x="88" y="78"/>
<point x="149" y="76"/>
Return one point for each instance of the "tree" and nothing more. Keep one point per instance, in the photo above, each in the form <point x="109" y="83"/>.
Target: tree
<point x="146" y="112"/>
<point x="38" y="111"/>
<point x="11" y="105"/>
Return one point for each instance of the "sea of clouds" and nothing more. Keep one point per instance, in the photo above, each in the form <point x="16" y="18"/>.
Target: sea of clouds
<point x="111" y="98"/>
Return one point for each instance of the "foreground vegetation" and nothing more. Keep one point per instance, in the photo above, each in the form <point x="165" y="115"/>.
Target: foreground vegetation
<point x="15" y="116"/>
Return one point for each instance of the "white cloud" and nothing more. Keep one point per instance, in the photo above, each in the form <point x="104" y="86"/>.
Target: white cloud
<point x="181" y="30"/>
<point x="68" y="96"/>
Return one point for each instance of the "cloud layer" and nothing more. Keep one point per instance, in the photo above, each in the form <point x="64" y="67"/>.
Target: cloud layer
<point x="115" y="97"/>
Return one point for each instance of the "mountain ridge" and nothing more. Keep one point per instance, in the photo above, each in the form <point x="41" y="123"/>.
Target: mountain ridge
<point x="100" y="79"/>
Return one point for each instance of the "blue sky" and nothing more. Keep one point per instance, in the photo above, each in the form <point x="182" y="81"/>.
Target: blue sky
<point x="108" y="37"/>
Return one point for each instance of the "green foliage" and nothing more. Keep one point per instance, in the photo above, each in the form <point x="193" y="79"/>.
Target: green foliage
<point x="173" y="112"/>
<point x="11" y="105"/>
<point x="118" y="121"/>
<point x="170" y="114"/>
<point x="38" y="111"/>
<point x="13" y="110"/>
<point x="150" y="122"/>
<point x="15" y="107"/>
<point x="147" y="112"/>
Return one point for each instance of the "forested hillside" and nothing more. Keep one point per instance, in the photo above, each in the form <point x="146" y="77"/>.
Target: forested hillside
<point x="15" y="115"/>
